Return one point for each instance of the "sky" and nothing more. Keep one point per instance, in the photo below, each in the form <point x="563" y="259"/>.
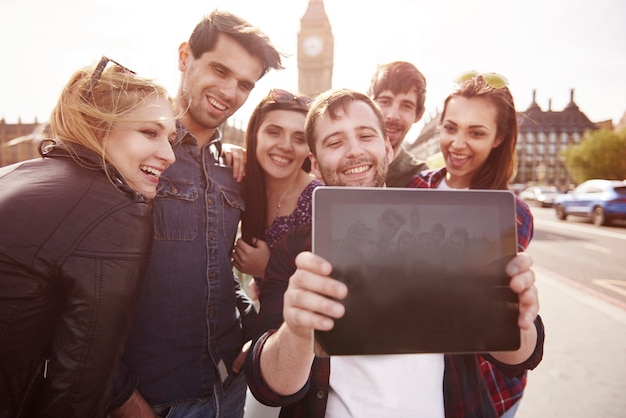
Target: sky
<point x="550" y="46"/>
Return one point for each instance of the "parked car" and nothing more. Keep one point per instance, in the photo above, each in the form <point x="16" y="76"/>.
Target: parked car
<point x="540" y="195"/>
<point x="602" y="201"/>
<point x="517" y="187"/>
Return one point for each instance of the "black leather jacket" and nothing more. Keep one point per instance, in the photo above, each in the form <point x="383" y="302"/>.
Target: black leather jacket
<point x="73" y="247"/>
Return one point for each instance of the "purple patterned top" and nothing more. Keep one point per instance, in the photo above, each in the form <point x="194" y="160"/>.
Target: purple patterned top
<point x="300" y="216"/>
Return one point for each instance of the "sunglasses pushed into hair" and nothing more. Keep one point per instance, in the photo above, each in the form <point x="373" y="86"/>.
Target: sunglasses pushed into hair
<point x="494" y="80"/>
<point x="97" y="73"/>
<point x="283" y="96"/>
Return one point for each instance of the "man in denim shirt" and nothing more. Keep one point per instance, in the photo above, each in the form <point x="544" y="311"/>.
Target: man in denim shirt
<point x="184" y="352"/>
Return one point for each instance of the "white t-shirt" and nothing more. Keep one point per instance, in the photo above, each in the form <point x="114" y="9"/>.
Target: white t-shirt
<point x="443" y="185"/>
<point x="403" y="385"/>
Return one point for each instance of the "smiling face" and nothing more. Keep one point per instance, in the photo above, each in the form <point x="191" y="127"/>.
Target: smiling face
<point x="140" y="148"/>
<point x="281" y="148"/>
<point x="216" y="84"/>
<point x="400" y="114"/>
<point x="468" y="134"/>
<point x="351" y="150"/>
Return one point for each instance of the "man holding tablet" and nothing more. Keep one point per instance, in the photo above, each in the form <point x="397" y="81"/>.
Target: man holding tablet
<point x="345" y="133"/>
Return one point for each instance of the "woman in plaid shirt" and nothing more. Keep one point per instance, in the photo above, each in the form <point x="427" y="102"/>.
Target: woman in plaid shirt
<point x="478" y="134"/>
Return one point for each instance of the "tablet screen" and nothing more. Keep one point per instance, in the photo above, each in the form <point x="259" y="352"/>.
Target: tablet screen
<point x="424" y="269"/>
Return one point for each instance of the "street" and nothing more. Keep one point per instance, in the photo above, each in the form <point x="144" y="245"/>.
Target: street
<point x="576" y="249"/>
<point x="582" y="290"/>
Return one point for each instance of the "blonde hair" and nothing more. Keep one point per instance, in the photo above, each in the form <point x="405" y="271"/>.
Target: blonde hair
<point x="88" y="109"/>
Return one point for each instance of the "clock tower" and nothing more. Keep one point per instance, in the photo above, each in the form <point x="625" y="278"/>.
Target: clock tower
<point x="315" y="51"/>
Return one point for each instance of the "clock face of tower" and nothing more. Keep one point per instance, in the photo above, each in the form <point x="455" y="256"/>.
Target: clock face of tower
<point x="312" y="45"/>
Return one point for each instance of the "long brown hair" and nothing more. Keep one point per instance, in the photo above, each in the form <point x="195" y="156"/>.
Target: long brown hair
<point x="499" y="167"/>
<point x="254" y="218"/>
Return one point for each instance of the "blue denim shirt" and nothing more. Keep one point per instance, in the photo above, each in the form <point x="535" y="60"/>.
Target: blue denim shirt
<point x="192" y="316"/>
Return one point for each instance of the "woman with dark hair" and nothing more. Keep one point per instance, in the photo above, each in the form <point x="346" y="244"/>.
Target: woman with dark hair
<point x="277" y="188"/>
<point x="477" y="139"/>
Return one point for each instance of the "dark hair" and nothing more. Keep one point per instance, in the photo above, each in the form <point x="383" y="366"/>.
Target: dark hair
<point x="499" y="167"/>
<point x="252" y="39"/>
<point x="254" y="218"/>
<point x="399" y="77"/>
<point x="330" y="102"/>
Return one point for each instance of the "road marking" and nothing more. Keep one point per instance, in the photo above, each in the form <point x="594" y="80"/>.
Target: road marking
<point x="597" y="248"/>
<point x="593" y="298"/>
<point x="617" y="286"/>
<point x="574" y="227"/>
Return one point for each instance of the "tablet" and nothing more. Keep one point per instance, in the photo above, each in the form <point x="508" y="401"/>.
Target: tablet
<point x="425" y="269"/>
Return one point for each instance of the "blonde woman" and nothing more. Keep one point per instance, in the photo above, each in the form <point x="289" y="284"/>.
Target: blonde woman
<point x="75" y="231"/>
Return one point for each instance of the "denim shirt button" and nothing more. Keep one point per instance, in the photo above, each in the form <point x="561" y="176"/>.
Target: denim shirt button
<point x="211" y="312"/>
<point x="212" y="236"/>
<point x="212" y="274"/>
<point x="174" y="190"/>
<point x="320" y="394"/>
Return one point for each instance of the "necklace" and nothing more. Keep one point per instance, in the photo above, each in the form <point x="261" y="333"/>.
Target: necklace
<point x="280" y="201"/>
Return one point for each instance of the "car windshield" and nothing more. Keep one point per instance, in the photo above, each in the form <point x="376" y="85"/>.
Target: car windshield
<point x="621" y="190"/>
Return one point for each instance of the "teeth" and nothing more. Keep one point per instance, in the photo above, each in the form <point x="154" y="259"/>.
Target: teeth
<point x="356" y="170"/>
<point x="459" y="156"/>
<point x="151" y="170"/>
<point x="217" y="104"/>
<point x="280" y="160"/>
<point x="392" y="127"/>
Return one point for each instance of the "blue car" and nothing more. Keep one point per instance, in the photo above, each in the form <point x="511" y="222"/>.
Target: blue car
<point x="601" y="201"/>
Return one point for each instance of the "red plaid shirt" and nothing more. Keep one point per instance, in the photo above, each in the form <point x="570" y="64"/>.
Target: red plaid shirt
<point x="504" y="391"/>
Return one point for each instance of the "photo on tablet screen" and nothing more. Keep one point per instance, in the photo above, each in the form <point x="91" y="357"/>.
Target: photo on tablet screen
<point x="424" y="269"/>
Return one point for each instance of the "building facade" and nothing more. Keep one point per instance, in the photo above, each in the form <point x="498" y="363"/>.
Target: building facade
<point x="315" y="51"/>
<point x="426" y="146"/>
<point x="20" y="141"/>
<point x="543" y="135"/>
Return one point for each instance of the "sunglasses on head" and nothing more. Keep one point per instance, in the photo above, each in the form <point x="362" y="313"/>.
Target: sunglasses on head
<point x="494" y="80"/>
<point x="98" y="72"/>
<point x="283" y="96"/>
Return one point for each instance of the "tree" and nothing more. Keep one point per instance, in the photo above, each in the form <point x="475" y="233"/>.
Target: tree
<point x="600" y="154"/>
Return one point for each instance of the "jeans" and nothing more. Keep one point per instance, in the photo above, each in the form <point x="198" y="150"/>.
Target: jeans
<point x="227" y="405"/>
<point x="510" y="413"/>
